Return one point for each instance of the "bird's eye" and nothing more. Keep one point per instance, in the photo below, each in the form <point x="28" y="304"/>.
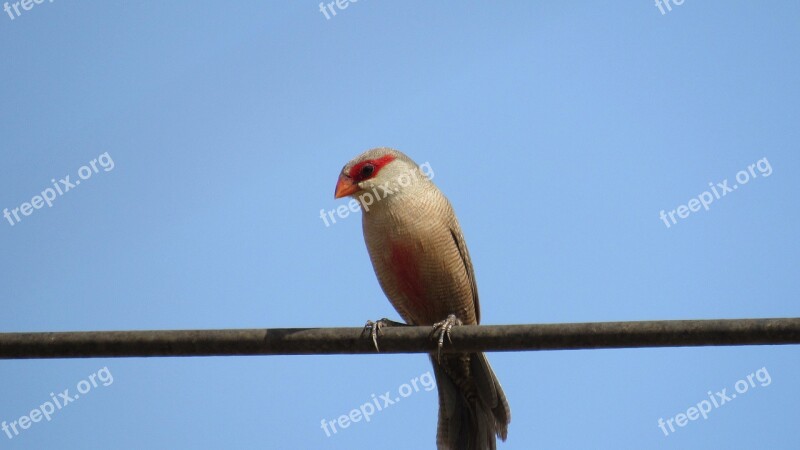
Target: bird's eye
<point x="367" y="171"/>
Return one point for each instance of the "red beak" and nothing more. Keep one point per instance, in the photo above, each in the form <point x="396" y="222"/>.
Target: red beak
<point x="345" y="186"/>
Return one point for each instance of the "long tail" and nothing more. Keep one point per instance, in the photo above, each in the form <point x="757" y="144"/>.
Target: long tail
<point x="472" y="406"/>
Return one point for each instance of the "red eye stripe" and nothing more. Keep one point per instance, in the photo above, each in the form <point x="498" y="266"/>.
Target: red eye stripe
<point x="379" y="163"/>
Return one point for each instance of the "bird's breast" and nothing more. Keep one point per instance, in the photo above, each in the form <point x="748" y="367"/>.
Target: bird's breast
<point x="404" y="267"/>
<point x="417" y="262"/>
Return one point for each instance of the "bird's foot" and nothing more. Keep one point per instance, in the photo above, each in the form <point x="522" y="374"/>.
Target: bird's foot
<point x="374" y="328"/>
<point x="442" y="329"/>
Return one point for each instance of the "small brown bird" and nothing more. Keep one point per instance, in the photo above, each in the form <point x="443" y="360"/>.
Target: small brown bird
<point x="423" y="266"/>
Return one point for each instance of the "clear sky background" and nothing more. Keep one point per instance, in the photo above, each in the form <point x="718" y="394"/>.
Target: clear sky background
<point x="559" y="131"/>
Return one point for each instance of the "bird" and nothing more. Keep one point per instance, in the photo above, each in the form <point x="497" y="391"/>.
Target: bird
<point x="420" y="258"/>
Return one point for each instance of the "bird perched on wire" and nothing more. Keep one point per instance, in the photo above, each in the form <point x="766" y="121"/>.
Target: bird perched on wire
<point x="423" y="266"/>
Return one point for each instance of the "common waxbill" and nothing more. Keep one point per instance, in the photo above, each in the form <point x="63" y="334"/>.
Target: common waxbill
<point x="423" y="266"/>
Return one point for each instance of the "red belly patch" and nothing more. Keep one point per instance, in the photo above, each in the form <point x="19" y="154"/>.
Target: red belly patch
<point x="406" y="271"/>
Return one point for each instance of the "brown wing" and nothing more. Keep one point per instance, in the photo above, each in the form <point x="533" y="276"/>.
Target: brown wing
<point x="458" y="237"/>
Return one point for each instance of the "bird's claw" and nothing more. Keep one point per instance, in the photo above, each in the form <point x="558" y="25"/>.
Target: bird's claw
<point x="442" y="329"/>
<point x="374" y="329"/>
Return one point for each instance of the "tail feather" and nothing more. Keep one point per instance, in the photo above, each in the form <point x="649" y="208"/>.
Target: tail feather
<point x="473" y="409"/>
<point x="491" y="393"/>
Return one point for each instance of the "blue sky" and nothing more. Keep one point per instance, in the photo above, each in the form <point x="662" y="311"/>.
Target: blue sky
<point x="559" y="131"/>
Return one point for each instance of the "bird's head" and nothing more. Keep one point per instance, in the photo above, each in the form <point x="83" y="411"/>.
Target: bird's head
<point x="381" y="170"/>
